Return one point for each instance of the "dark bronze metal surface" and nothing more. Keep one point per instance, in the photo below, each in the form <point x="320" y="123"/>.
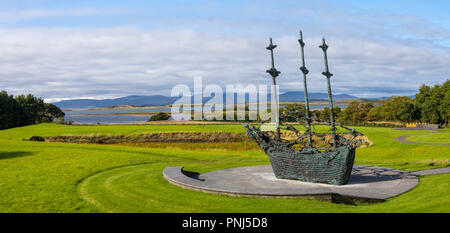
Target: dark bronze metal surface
<point x="327" y="74"/>
<point x="274" y="73"/>
<point x="311" y="157"/>
<point x="305" y="72"/>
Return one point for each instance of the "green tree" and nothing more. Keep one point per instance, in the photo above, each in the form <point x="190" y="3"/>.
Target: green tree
<point x="30" y="109"/>
<point x="433" y="104"/>
<point x="396" y="108"/>
<point x="324" y="114"/>
<point x="444" y="106"/>
<point x="25" y="110"/>
<point x="356" y="112"/>
<point x="51" y="112"/>
<point x="293" y="113"/>
<point x="8" y="111"/>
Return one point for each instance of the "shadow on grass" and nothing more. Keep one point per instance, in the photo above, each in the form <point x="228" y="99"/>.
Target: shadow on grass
<point x="14" y="154"/>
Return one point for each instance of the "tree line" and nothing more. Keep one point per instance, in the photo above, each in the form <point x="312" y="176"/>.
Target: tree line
<point x="430" y="105"/>
<point x="25" y="110"/>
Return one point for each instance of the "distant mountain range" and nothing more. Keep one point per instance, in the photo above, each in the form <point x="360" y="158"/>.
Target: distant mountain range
<point x="137" y="100"/>
<point x="159" y="100"/>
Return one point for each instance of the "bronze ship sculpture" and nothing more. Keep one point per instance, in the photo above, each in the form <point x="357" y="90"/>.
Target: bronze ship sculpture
<point x="311" y="156"/>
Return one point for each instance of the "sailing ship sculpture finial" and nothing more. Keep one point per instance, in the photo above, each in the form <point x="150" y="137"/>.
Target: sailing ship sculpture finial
<point x="305" y="72"/>
<point x="328" y="75"/>
<point x="324" y="47"/>
<point x="302" y="45"/>
<point x="274" y="73"/>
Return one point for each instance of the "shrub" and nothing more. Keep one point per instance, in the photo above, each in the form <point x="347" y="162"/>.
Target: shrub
<point x="37" y="139"/>
<point x="161" y="116"/>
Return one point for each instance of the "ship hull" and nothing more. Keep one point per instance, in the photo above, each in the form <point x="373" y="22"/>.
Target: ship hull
<point x="330" y="167"/>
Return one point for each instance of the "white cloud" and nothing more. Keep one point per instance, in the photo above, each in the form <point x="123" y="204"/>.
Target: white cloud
<point x="32" y="14"/>
<point x="61" y="63"/>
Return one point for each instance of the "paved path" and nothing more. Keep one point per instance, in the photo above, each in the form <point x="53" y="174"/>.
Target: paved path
<point x="431" y="171"/>
<point x="367" y="183"/>
<point x="403" y="138"/>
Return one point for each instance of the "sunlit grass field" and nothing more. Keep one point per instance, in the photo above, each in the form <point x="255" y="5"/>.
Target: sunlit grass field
<point x="62" y="177"/>
<point x="442" y="138"/>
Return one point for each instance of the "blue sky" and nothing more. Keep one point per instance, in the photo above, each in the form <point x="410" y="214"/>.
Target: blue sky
<point x="104" y="49"/>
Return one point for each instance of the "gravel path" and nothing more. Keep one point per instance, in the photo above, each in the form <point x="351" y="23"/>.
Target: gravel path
<point x="431" y="171"/>
<point x="403" y="138"/>
<point x="428" y="171"/>
<point x="367" y="183"/>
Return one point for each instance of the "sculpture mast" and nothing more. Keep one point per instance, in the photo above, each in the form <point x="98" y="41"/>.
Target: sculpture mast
<point x="327" y="74"/>
<point x="274" y="73"/>
<point x="305" y="72"/>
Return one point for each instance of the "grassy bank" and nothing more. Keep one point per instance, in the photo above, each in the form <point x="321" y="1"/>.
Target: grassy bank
<point x="62" y="177"/>
<point x="431" y="138"/>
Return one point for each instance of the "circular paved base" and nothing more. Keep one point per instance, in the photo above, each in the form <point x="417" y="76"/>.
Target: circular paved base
<point x="367" y="183"/>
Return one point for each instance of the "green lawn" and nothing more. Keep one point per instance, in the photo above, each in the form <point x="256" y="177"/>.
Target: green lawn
<point x="431" y="138"/>
<point x="57" y="177"/>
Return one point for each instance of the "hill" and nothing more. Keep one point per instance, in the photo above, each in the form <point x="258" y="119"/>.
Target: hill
<point x="136" y="100"/>
<point x="159" y="100"/>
